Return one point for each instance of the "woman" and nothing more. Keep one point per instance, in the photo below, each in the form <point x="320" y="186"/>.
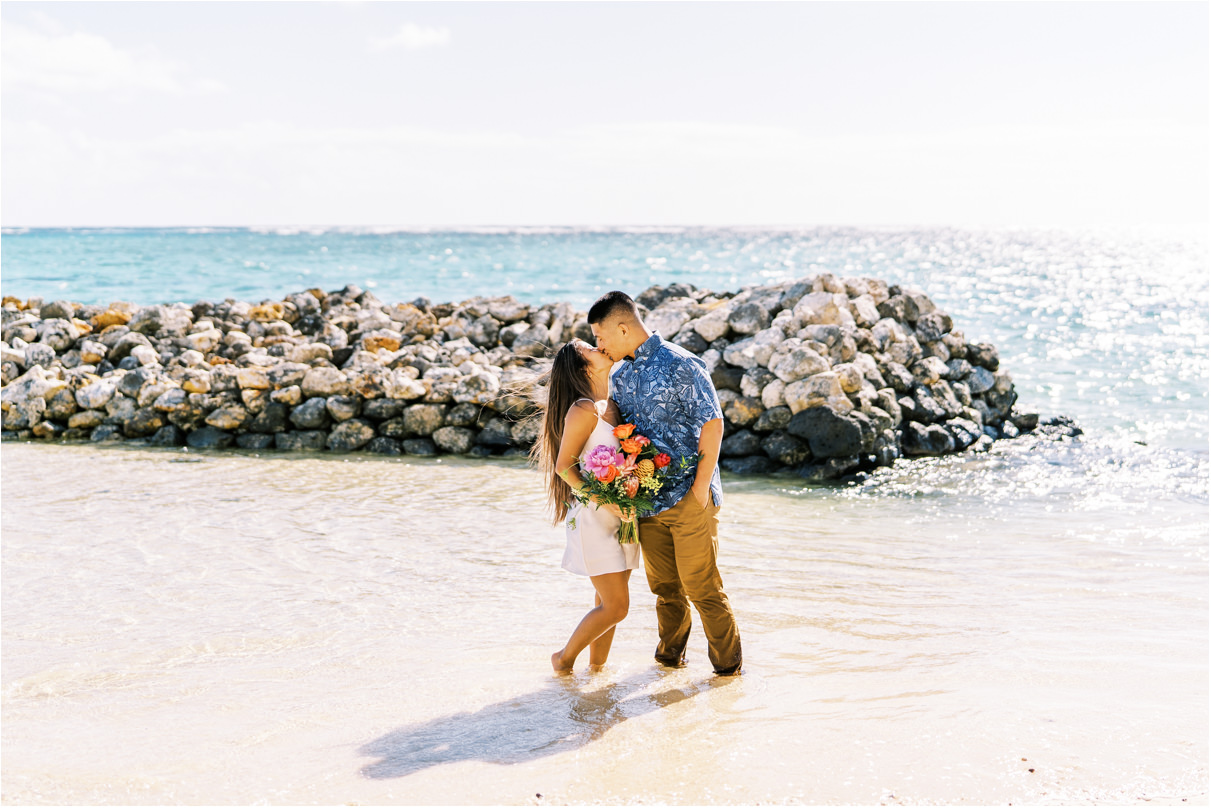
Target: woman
<point x="580" y="416"/>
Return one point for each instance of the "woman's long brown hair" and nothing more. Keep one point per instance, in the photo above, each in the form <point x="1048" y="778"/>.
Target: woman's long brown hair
<point x="566" y="383"/>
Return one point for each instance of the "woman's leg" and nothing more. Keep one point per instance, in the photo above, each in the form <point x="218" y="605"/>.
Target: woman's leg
<point x="612" y="602"/>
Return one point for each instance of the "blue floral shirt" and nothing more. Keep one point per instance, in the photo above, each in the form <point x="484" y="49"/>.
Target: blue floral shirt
<point x="668" y="395"/>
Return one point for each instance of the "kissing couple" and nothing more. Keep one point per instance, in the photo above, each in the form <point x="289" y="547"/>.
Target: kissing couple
<point x="635" y="377"/>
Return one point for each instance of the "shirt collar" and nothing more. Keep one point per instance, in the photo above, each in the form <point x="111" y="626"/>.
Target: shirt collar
<point x="648" y="347"/>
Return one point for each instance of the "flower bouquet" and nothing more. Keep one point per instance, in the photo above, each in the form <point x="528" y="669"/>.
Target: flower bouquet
<point x="628" y="477"/>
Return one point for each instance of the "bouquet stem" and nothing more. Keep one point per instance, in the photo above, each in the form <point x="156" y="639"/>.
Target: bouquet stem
<point x="628" y="531"/>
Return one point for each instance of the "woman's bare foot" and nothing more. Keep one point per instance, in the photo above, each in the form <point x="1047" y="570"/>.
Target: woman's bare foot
<point x="557" y="663"/>
<point x="596" y="667"/>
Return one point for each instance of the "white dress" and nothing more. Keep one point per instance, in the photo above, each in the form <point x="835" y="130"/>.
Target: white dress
<point x="593" y="547"/>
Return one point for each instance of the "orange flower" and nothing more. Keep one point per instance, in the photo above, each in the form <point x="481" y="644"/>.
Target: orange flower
<point x="631" y="446"/>
<point x="662" y="460"/>
<point x="631" y="486"/>
<point x="623" y="431"/>
<point x="607" y="474"/>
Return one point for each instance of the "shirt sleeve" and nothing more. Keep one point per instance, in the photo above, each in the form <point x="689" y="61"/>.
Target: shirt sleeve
<point x="699" y="401"/>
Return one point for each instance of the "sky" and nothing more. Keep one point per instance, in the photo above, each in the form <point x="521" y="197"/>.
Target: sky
<point x="629" y="113"/>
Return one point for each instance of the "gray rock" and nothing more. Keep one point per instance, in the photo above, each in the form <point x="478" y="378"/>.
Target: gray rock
<point x="132" y="383"/>
<point x="741" y="444"/>
<point x="106" y="433"/>
<point x="484" y="331"/>
<point x="964" y="432"/>
<point x="831" y="434"/>
<point x="57" y="334"/>
<point x="946" y="399"/>
<point x="61" y="404"/>
<point x="957" y="369"/>
<point x="742" y="410"/>
<point x="422" y="419"/>
<point x="385" y="446"/>
<point x="383" y="409"/>
<point x="785" y="448"/>
<point x="526" y="431"/>
<point x="423" y="447"/>
<point x="754" y="381"/>
<point x="1025" y="421"/>
<point x="832" y="469"/>
<point x="797" y="363"/>
<point x="164" y="321"/>
<point x="815" y="391"/>
<point x="290" y="396"/>
<point x="86" y="419"/>
<point x="464" y="415"/>
<point x="979" y="381"/>
<point x="170" y="435"/>
<point x="173" y="398"/>
<point x="509" y="334"/>
<point x="983" y="355"/>
<point x="351" y="435"/>
<point x="120" y="409"/>
<point x="933" y="327"/>
<point x="534" y="341"/>
<point x="275" y="417"/>
<point x="689" y="339"/>
<point x="921" y="439"/>
<point x="725" y="377"/>
<point x="756" y="351"/>
<point x="749" y="318"/>
<point x="342" y="408"/>
<point x="311" y="440"/>
<point x="208" y="437"/>
<point x="496" y="432"/>
<point x="748" y="465"/>
<point x="325" y="381"/>
<point x="39" y="354"/>
<point x="57" y="309"/>
<point x="311" y="414"/>
<point x="923" y="407"/>
<point x="477" y="388"/>
<point x="454" y="439"/>
<point x="228" y="417"/>
<point x="508" y="309"/>
<point x="255" y="441"/>
<point x="773" y="419"/>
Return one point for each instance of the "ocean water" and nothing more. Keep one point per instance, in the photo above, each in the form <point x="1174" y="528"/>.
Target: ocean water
<point x="1029" y="625"/>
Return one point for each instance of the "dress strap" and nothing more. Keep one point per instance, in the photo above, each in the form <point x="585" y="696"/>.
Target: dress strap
<point x="596" y="411"/>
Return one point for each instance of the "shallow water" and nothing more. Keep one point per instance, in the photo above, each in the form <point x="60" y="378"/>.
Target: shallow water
<point x="181" y="627"/>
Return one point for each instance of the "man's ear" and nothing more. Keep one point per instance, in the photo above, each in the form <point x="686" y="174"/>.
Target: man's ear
<point x="623" y="328"/>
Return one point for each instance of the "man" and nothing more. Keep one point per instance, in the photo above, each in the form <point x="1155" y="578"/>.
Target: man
<point x="665" y="391"/>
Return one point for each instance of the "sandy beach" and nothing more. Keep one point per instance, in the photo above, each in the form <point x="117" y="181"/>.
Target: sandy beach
<point x="200" y="628"/>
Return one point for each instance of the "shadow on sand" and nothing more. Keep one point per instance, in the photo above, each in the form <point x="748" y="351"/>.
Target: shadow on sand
<point x="562" y="715"/>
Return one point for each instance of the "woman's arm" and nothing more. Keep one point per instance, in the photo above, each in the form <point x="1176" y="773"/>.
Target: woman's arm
<point x="577" y="426"/>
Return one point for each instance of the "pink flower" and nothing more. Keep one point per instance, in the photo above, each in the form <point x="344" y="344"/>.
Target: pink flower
<point x="631" y="486"/>
<point x="600" y="458"/>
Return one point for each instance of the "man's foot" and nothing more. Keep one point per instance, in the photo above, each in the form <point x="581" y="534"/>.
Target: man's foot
<point x="557" y="663"/>
<point x="736" y="671"/>
<point x="672" y="663"/>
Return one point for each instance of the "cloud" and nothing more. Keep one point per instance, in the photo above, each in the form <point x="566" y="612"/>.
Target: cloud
<point x="56" y="62"/>
<point x="411" y="37"/>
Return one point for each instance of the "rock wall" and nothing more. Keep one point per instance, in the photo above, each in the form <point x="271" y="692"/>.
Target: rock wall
<point x="822" y="375"/>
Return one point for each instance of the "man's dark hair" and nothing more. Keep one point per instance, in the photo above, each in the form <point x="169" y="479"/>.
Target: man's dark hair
<point x="613" y="304"/>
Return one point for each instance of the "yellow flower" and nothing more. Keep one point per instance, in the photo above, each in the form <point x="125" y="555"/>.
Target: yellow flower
<point x="645" y="468"/>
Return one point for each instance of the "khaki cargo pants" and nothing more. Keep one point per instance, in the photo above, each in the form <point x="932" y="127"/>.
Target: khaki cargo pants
<point x="680" y="547"/>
